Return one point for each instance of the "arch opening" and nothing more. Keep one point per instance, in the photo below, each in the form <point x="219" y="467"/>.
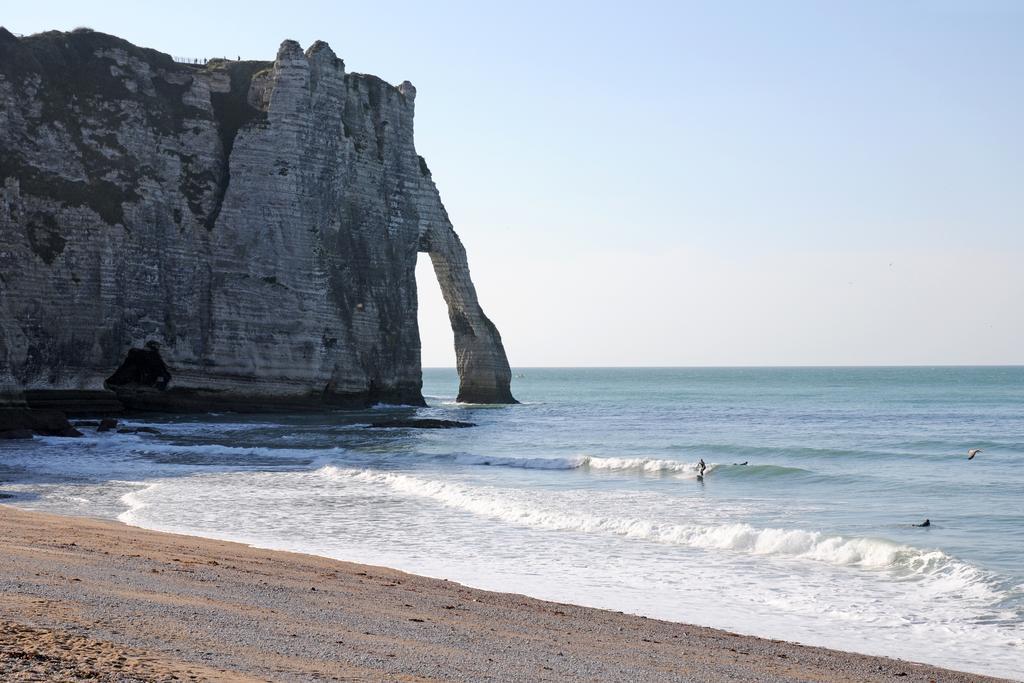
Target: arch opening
<point x="436" y="347"/>
<point x="484" y="373"/>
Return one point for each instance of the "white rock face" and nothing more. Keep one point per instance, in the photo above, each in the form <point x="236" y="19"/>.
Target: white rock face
<point x="260" y="221"/>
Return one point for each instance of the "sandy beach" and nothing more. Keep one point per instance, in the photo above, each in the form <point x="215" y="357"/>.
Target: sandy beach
<point x="87" y="599"/>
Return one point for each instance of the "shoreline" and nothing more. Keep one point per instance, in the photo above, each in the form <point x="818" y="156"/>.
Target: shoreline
<point x="84" y="597"/>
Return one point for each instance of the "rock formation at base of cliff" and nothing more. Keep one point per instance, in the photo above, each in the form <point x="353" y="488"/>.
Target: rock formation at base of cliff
<point x="258" y="222"/>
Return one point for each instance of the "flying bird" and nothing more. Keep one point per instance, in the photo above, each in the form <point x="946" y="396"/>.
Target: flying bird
<point x="973" y="452"/>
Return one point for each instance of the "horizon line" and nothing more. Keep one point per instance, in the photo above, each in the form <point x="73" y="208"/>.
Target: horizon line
<point x="743" y="367"/>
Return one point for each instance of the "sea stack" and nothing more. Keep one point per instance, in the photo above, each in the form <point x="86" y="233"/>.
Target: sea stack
<point x="221" y="235"/>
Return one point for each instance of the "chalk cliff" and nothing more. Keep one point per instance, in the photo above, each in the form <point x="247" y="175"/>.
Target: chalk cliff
<point x="248" y="230"/>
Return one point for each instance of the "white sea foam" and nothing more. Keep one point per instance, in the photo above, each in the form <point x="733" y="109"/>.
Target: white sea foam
<point x="645" y="465"/>
<point x="136" y="503"/>
<point x="944" y="573"/>
<point x="639" y="465"/>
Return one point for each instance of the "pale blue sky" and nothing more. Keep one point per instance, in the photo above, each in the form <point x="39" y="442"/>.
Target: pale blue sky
<point x="668" y="183"/>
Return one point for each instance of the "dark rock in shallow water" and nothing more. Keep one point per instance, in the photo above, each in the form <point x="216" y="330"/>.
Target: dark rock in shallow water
<point x="42" y="422"/>
<point x="85" y="423"/>
<point x="16" y="434"/>
<point x="106" y="424"/>
<point x="52" y="423"/>
<point x="422" y="424"/>
<point x="138" y="430"/>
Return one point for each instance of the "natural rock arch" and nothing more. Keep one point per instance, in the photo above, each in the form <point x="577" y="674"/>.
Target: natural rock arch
<point x="484" y="373"/>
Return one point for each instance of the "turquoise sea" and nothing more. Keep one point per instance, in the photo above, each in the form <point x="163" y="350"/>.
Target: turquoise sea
<point x="588" y="493"/>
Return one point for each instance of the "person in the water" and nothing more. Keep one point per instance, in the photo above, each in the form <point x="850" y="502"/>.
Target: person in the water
<point x="926" y="522"/>
<point x="701" y="467"/>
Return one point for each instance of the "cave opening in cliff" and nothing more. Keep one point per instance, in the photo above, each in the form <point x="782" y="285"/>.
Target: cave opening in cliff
<point x="436" y="344"/>
<point x="142" y="367"/>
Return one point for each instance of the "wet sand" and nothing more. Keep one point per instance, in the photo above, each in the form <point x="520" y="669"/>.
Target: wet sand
<point x="84" y="599"/>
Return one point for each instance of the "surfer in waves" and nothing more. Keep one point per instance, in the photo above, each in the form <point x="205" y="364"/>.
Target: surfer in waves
<point x="700" y="469"/>
<point x="926" y="522"/>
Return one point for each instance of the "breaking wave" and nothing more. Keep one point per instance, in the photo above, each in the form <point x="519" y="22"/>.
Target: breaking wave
<point x="948" y="574"/>
<point x="651" y="466"/>
<point x="639" y="465"/>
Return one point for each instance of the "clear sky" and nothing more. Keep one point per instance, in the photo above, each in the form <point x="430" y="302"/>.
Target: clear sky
<point x="684" y="183"/>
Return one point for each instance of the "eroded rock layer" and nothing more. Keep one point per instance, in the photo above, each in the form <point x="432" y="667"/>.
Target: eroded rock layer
<point x="255" y="225"/>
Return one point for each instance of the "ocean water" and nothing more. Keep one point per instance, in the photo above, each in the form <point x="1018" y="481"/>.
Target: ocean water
<point x="588" y="493"/>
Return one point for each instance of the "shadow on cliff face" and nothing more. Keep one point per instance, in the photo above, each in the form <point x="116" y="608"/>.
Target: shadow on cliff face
<point x="142" y="367"/>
